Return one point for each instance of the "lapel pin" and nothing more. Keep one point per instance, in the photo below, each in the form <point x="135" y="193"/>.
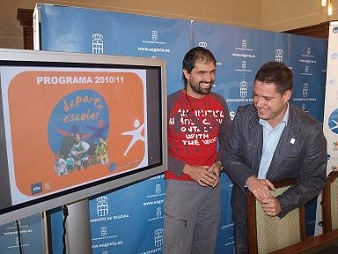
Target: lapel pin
<point x="292" y="141"/>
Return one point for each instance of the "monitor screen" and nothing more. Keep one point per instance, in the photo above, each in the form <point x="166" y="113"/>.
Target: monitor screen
<point x="76" y="125"/>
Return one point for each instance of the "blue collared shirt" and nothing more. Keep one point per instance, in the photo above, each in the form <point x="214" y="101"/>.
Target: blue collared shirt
<point x="271" y="138"/>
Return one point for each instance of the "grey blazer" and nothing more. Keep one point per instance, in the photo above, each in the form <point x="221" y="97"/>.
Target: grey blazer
<point x="300" y="154"/>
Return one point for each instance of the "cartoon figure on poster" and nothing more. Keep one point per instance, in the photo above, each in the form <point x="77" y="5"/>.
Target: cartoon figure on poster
<point x="79" y="152"/>
<point x="83" y="142"/>
<point x="101" y="151"/>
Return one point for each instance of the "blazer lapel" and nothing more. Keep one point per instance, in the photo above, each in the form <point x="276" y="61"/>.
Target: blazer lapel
<point x="256" y="145"/>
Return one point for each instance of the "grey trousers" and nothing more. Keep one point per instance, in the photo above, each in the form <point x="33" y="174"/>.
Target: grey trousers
<point x="191" y="218"/>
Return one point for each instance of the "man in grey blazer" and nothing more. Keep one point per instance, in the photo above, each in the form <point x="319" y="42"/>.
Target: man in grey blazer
<point x="273" y="140"/>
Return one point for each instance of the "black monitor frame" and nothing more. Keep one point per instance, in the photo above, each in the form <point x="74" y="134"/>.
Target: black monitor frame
<point x="156" y="115"/>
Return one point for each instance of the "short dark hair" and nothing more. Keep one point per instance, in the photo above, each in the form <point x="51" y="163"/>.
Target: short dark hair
<point x="78" y="133"/>
<point x="197" y="54"/>
<point x="277" y="73"/>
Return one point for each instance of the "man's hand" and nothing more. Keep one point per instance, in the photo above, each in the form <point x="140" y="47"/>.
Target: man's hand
<point x="216" y="168"/>
<point x="261" y="188"/>
<point x="271" y="206"/>
<point x="203" y="175"/>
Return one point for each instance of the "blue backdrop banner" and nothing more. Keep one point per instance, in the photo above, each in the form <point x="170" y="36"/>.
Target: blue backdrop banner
<point x="31" y="236"/>
<point x="241" y="51"/>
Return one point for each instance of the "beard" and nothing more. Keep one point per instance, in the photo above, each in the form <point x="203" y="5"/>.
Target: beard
<point x="201" y="90"/>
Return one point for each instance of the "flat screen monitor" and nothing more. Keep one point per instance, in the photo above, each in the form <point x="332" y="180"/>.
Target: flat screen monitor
<point x="76" y="125"/>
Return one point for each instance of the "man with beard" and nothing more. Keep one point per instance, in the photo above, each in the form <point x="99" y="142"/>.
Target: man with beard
<point x="198" y="122"/>
<point x="273" y="140"/>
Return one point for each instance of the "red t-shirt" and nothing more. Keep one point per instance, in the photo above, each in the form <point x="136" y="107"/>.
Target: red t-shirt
<point x="193" y="129"/>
